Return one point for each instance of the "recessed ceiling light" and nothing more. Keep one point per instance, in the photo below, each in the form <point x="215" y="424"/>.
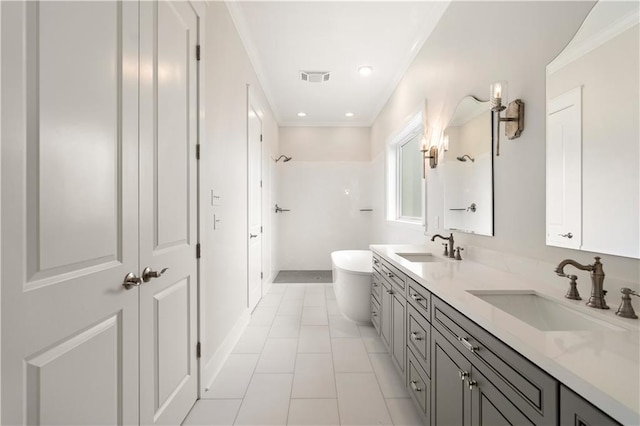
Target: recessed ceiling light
<point x="302" y="114"/>
<point x="349" y="114"/>
<point x="365" y="70"/>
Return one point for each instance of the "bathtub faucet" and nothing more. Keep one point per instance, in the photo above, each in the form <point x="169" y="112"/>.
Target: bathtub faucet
<point x="450" y="240"/>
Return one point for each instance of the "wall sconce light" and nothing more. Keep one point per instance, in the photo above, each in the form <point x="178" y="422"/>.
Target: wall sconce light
<point x="513" y="116"/>
<point x="432" y="157"/>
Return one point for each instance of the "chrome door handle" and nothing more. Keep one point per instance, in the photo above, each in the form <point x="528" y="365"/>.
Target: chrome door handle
<point x="467" y="344"/>
<point x="389" y="291"/>
<point x="463" y="375"/>
<point x="415" y="387"/>
<point x="253" y="235"/>
<point x="390" y="275"/>
<point x="131" y="280"/>
<point x="472" y="384"/>
<point x="415" y="337"/>
<point x="149" y="273"/>
<point x="567" y="235"/>
<point x="415" y="297"/>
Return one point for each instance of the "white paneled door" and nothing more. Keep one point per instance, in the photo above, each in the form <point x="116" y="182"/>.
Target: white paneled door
<point x="98" y="171"/>
<point x="168" y="209"/>
<point x="254" y="179"/>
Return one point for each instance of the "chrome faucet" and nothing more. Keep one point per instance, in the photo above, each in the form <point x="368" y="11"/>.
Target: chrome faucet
<point x="596" y="300"/>
<point x="450" y="240"/>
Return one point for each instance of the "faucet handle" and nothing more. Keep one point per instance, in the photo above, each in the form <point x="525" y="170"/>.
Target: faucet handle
<point x="446" y="249"/>
<point x="458" y="249"/>
<point x="626" y="309"/>
<point x="572" y="293"/>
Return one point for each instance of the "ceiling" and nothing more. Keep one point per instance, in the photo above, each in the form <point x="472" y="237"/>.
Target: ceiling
<point x="286" y="37"/>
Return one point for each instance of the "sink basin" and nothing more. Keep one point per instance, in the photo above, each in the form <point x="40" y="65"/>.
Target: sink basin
<point x="543" y="313"/>
<point x="419" y="257"/>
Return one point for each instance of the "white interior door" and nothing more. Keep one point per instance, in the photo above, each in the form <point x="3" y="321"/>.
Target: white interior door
<point x="564" y="170"/>
<point x="168" y="211"/>
<point x="70" y="212"/>
<point x="254" y="179"/>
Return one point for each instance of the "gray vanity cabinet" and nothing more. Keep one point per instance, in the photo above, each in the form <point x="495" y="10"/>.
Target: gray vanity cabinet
<point x="398" y="342"/>
<point x="386" y="303"/>
<point x="450" y="397"/>
<point x="575" y="411"/>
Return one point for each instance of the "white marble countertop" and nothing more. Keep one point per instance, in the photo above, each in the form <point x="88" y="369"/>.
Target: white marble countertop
<point x="601" y="366"/>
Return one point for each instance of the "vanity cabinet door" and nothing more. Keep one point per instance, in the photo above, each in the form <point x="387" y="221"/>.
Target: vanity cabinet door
<point x="575" y="411"/>
<point x="385" y="313"/>
<point x="450" y="395"/>
<point x="398" y="339"/>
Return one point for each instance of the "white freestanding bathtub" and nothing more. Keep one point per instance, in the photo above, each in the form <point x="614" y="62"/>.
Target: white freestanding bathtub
<point x="352" y="283"/>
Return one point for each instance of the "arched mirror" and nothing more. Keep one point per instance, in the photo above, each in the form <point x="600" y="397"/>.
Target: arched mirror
<point x="593" y="138"/>
<point x="468" y="169"/>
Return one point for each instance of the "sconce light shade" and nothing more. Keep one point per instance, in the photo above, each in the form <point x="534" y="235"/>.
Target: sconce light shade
<point x="514" y="114"/>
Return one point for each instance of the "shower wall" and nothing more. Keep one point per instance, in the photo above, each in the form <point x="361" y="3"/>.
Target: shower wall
<point x="324" y="186"/>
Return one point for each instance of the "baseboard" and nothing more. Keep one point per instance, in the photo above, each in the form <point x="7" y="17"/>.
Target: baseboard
<point x="215" y="363"/>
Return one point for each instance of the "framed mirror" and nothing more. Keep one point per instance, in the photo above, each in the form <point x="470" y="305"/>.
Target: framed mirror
<point x="593" y="138"/>
<point x="468" y="169"/>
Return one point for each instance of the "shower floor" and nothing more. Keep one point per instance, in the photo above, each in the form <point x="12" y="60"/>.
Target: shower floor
<point x="289" y="277"/>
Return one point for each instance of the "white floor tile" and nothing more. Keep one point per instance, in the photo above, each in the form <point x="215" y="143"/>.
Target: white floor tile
<point x="404" y="412"/>
<point x="390" y="381"/>
<point x="285" y="326"/>
<point x="368" y="330"/>
<point x="263" y="315"/>
<point x="271" y="299"/>
<point x="314" y="377"/>
<point x="374" y="345"/>
<point x="313" y="412"/>
<point x="330" y="293"/>
<point x="290" y="307"/>
<point x="360" y="401"/>
<point x="278" y="356"/>
<point x="339" y="326"/>
<point x="332" y="307"/>
<point x="294" y="292"/>
<point x="213" y="412"/>
<point x="277" y="288"/>
<point x="252" y="340"/>
<point x="314" y="339"/>
<point x="350" y="356"/>
<point x="267" y="400"/>
<point x="233" y="378"/>
<point x="314" y="315"/>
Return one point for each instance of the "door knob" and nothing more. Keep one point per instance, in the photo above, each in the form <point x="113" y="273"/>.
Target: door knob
<point x="149" y="273"/>
<point x="131" y="280"/>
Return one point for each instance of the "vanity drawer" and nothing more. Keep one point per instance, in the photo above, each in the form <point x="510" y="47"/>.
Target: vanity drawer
<point x="523" y="383"/>
<point x="418" y="337"/>
<point x="418" y="383"/>
<point x="375" y="314"/>
<point x="376" y="285"/>
<point x="377" y="264"/>
<point x="419" y="297"/>
<point x="394" y="276"/>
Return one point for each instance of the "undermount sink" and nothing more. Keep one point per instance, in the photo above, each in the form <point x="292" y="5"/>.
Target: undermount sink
<point x="542" y="313"/>
<point x="419" y="257"/>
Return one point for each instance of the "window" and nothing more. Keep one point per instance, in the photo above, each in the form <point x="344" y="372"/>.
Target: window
<point x="409" y="193"/>
<point x="405" y="186"/>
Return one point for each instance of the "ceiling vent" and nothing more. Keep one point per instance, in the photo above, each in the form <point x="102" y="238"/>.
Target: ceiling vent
<point x="315" y="76"/>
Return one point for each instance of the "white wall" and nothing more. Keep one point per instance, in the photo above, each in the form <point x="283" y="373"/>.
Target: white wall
<point x="475" y="44"/>
<point x="325" y="185"/>
<point x="227" y="73"/>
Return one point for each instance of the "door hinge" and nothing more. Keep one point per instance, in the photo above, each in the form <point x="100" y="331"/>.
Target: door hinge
<point x="261" y="275"/>
<point x="198" y="52"/>
<point x="260" y="138"/>
<point x="198" y="350"/>
<point x="198" y="251"/>
<point x="197" y="151"/>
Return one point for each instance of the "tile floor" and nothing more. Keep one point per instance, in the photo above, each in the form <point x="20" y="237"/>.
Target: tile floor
<point x="300" y="362"/>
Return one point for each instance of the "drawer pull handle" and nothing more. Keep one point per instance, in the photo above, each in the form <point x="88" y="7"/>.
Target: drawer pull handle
<point x="463" y="375"/>
<point x="390" y="275"/>
<point x="416" y="297"/>
<point x="415" y="337"/>
<point x="376" y="262"/>
<point x="389" y="291"/>
<point x="374" y="314"/>
<point x="375" y="284"/>
<point x="472" y="384"/>
<point x="415" y="387"/>
<point x="465" y="342"/>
